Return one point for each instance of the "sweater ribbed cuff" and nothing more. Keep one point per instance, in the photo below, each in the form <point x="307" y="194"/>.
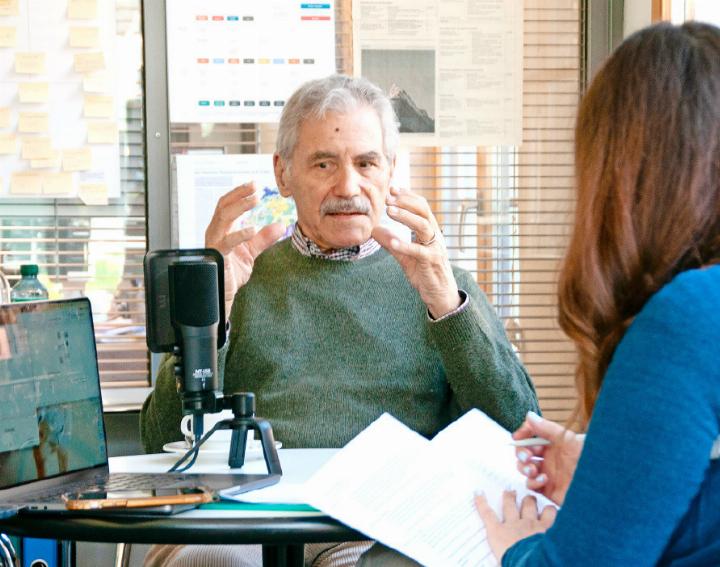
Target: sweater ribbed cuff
<point x="463" y="305"/>
<point x="460" y="326"/>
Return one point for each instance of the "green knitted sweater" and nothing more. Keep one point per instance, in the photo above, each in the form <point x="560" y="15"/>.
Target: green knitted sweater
<point x="327" y="346"/>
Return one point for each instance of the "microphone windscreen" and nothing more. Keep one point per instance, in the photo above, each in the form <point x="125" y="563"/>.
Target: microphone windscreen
<point x="194" y="293"/>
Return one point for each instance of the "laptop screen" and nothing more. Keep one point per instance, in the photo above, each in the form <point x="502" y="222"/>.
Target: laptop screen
<point x="50" y="407"/>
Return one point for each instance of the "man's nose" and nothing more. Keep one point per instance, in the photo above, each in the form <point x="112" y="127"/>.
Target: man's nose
<point x="348" y="182"/>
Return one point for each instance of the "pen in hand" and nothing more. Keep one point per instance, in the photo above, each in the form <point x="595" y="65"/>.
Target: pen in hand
<point x="530" y="442"/>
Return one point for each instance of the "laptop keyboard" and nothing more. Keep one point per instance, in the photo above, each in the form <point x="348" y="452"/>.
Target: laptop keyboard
<point x="121" y="481"/>
<point x="116" y="481"/>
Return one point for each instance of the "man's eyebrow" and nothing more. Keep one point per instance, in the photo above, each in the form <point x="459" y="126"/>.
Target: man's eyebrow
<point x="369" y="156"/>
<point x="321" y="155"/>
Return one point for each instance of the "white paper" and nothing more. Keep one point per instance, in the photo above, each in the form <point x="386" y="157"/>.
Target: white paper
<point x="417" y="496"/>
<point x="485" y="456"/>
<point x="232" y="61"/>
<point x="453" y="69"/>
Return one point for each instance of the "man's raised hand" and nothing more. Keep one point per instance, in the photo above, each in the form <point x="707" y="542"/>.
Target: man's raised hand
<point x="425" y="261"/>
<point x="241" y="247"/>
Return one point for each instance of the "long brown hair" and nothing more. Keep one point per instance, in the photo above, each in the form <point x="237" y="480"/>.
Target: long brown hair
<point x="647" y="158"/>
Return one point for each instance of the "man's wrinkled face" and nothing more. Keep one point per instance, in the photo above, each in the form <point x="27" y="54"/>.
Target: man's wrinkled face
<point x="339" y="177"/>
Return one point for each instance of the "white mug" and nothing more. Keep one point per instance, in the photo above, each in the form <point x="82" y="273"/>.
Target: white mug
<point x="209" y="421"/>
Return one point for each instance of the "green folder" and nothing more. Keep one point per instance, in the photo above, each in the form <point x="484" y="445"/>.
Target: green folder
<point x="247" y="506"/>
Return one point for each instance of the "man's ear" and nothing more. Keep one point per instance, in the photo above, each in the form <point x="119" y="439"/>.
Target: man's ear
<point x="281" y="175"/>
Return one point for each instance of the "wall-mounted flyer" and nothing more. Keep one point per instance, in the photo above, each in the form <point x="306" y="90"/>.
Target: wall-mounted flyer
<point x="202" y="179"/>
<point x="232" y="61"/>
<point x="453" y="69"/>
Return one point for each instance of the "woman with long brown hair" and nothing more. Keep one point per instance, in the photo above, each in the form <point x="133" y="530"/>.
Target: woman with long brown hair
<point x="640" y="297"/>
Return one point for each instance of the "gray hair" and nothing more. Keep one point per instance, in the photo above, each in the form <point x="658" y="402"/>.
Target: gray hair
<point x="336" y="93"/>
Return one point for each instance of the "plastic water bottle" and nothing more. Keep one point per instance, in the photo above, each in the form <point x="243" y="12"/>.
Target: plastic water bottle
<point x="29" y="287"/>
<point x="4" y="289"/>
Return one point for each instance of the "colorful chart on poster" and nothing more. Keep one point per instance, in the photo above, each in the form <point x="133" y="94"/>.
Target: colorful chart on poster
<point x="234" y="61"/>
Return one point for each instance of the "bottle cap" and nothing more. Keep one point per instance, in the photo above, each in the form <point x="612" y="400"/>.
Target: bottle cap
<point x="29" y="270"/>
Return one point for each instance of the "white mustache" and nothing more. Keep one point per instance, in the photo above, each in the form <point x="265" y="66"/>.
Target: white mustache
<point x="346" y="206"/>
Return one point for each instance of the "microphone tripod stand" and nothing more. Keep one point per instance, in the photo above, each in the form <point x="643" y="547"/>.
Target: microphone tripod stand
<point x="243" y="420"/>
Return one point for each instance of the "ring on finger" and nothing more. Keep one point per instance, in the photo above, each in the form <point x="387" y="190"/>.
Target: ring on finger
<point x="427" y="242"/>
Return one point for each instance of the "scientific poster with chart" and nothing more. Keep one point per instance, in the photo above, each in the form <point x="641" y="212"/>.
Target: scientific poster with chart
<point x="58" y="106"/>
<point x="202" y="179"/>
<point x="453" y="69"/>
<point x="232" y="61"/>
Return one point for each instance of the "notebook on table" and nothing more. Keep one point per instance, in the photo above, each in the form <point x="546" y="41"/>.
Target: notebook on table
<point x="52" y="435"/>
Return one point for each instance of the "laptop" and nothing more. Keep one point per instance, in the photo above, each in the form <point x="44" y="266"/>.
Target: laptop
<point x="52" y="435"/>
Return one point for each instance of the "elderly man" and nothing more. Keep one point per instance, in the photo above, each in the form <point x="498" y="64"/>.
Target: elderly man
<point x="344" y="320"/>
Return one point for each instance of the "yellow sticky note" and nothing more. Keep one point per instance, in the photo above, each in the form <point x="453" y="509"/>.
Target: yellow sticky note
<point x="30" y="62"/>
<point x="33" y="122"/>
<point x="51" y="162"/>
<point x="93" y="193"/>
<point x="89" y="62"/>
<point x="77" y="160"/>
<point x="57" y="183"/>
<point x="9" y="8"/>
<point x="98" y="106"/>
<point x="82" y="9"/>
<point x="5" y="117"/>
<point x="84" y="37"/>
<point x="33" y="92"/>
<point x="96" y="82"/>
<point x="102" y="132"/>
<point x="8" y="143"/>
<point x="8" y="36"/>
<point x="36" y="148"/>
<point x="26" y="183"/>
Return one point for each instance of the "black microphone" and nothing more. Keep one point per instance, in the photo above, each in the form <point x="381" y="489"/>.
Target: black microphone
<point x="195" y="316"/>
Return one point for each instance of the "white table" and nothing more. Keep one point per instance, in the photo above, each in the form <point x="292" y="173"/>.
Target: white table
<point x="298" y="465"/>
<point x="281" y="532"/>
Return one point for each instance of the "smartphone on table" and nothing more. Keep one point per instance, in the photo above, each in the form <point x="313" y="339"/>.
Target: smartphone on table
<point x="158" y="499"/>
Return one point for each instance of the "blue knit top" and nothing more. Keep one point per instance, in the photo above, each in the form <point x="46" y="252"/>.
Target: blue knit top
<point x="645" y="491"/>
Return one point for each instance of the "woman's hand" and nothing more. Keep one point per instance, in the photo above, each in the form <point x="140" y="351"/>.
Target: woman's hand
<point x="548" y="468"/>
<point x="517" y="523"/>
